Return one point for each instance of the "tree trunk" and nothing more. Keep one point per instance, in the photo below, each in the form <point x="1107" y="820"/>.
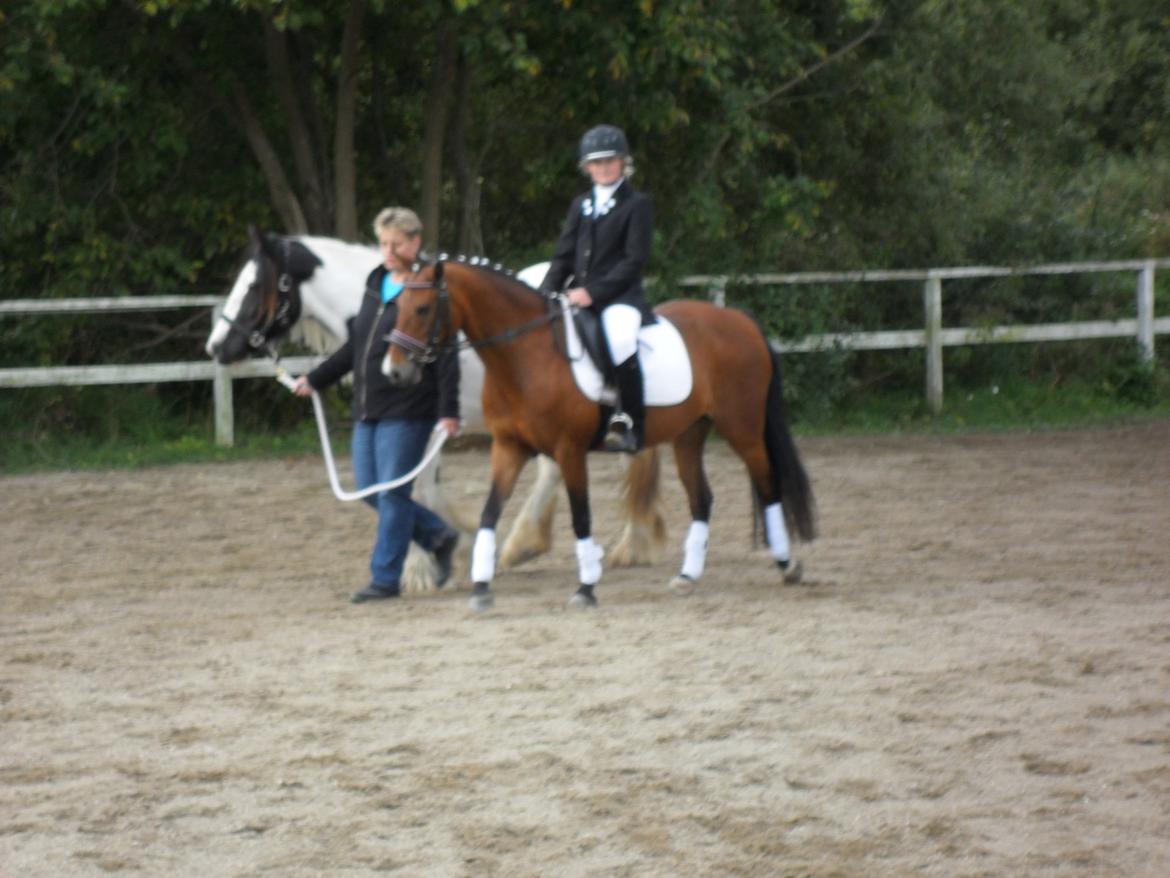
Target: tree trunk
<point x="300" y="136"/>
<point x="438" y="99"/>
<point x="238" y="109"/>
<point x="344" y="166"/>
<point x="470" y="233"/>
<point x="284" y="199"/>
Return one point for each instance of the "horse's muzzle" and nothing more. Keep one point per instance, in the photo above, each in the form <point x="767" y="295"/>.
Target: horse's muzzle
<point x="403" y="374"/>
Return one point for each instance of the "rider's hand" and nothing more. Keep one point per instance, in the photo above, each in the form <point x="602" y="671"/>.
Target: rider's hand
<point x="580" y="297"/>
<point x="450" y="425"/>
<point x="303" y="387"/>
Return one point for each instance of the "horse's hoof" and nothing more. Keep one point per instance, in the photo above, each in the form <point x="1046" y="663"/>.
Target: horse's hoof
<point x="793" y="572"/>
<point x="481" y="598"/>
<point x="682" y="585"/>
<point x="583" y="599"/>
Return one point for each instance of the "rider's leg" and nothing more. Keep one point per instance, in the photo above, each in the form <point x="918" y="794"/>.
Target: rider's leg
<point x="626" y="427"/>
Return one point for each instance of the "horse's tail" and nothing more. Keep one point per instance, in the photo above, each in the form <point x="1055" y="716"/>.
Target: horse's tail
<point x="789" y="479"/>
<point x="641" y="492"/>
<point x="645" y="531"/>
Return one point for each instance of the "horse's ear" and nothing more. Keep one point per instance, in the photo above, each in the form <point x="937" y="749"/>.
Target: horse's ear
<point x="439" y="263"/>
<point x="270" y="244"/>
<point x="254" y="235"/>
<point x="302" y="261"/>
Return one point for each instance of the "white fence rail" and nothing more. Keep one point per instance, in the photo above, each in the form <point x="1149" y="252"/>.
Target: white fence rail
<point x="145" y="373"/>
<point x="933" y="337"/>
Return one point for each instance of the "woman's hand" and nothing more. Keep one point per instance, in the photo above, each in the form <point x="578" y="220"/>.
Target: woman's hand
<point x="450" y="426"/>
<point x="303" y="387"/>
<point x="580" y="297"/>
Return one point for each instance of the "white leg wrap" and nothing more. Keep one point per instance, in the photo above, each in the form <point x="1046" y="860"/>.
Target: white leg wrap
<point x="483" y="556"/>
<point x="589" y="556"/>
<point x="777" y="532"/>
<point x="695" y="550"/>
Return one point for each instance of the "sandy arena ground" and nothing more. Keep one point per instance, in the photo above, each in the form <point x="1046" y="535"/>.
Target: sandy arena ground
<point x="974" y="682"/>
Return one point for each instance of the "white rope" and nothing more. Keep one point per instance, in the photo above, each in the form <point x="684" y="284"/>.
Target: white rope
<point x="438" y="437"/>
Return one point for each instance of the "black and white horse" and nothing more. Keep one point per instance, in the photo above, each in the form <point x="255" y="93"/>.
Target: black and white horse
<point x="307" y="289"/>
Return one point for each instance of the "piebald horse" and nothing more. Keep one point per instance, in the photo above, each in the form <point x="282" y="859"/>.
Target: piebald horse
<point x="307" y="288"/>
<point x="532" y="406"/>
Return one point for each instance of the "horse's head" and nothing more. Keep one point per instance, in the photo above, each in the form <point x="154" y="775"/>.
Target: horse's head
<point x="490" y="305"/>
<point x="265" y="300"/>
<point x="423" y="325"/>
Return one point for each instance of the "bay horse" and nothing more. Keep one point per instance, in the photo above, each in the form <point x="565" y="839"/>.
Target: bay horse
<point x="307" y="288"/>
<point x="532" y="406"/>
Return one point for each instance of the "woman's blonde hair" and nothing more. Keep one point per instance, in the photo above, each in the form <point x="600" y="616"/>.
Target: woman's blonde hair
<point x="403" y="219"/>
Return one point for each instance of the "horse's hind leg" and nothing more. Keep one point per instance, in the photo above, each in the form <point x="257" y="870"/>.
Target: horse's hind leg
<point x="753" y="452"/>
<point x="645" y="531"/>
<point x="531" y="535"/>
<point x="688" y="458"/>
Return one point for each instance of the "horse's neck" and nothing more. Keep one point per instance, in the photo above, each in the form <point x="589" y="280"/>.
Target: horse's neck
<point x="506" y="306"/>
<point x="333" y="295"/>
<point x="489" y="315"/>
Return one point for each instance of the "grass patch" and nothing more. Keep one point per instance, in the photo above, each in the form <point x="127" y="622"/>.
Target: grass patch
<point x="1013" y="406"/>
<point x="106" y="428"/>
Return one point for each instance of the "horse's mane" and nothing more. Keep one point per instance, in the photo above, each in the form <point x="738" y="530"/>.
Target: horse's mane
<point x="483" y="264"/>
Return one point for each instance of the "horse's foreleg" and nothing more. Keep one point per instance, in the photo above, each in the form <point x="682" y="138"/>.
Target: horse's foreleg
<point x="531" y="535"/>
<point x="507" y="461"/>
<point x="688" y="458"/>
<point x="589" y="554"/>
<point x="645" y="531"/>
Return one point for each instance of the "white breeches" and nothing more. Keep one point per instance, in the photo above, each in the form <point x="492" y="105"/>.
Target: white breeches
<point x="621" y="323"/>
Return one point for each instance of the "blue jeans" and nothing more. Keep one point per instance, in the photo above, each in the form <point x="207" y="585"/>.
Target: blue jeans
<point x="383" y="451"/>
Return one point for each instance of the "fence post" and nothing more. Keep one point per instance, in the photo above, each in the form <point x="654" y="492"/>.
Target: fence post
<point x="932" y="306"/>
<point x="222" y="394"/>
<point x="717" y="292"/>
<point x="1145" y="311"/>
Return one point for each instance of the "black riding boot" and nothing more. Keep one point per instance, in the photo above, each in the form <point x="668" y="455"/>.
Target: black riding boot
<point x="627" y="427"/>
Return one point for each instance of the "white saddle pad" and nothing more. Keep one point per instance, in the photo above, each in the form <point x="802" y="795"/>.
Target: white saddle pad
<point x="666" y="367"/>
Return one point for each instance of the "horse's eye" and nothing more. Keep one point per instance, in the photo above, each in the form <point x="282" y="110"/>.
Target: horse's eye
<point x="423" y="310"/>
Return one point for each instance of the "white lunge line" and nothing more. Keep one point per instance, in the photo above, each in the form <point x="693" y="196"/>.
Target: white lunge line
<point x="436" y="444"/>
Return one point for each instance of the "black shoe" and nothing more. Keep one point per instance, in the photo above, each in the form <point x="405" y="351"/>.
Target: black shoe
<point x="627" y="426"/>
<point x="375" y="592"/>
<point x="444" y="551"/>
<point x="620" y="436"/>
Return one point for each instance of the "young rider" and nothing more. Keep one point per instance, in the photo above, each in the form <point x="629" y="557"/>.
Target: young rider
<point x="603" y="249"/>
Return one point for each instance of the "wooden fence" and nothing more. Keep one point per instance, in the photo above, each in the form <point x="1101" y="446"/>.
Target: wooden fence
<point x="932" y="338"/>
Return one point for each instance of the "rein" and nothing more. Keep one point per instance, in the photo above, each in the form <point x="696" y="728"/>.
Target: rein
<point x="435" y="445"/>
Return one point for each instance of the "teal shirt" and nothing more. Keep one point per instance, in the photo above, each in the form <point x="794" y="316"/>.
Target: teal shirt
<point x="390" y="288"/>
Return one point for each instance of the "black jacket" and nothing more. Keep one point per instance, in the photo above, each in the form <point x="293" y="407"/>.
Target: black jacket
<point x="605" y="253"/>
<point x="374" y="398"/>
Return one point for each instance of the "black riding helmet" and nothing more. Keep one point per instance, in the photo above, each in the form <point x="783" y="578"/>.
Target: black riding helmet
<point x="602" y="142"/>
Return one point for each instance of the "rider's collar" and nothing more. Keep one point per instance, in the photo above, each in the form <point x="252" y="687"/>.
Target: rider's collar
<point x="602" y="201"/>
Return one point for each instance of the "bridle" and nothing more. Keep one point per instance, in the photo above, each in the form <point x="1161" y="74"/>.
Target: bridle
<point x="282" y="318"/>
<point x="421" y="353"/>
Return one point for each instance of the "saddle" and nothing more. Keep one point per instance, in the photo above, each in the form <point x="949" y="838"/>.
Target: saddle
<point x="592" y="336"/>
<point x="666" y="365"/>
